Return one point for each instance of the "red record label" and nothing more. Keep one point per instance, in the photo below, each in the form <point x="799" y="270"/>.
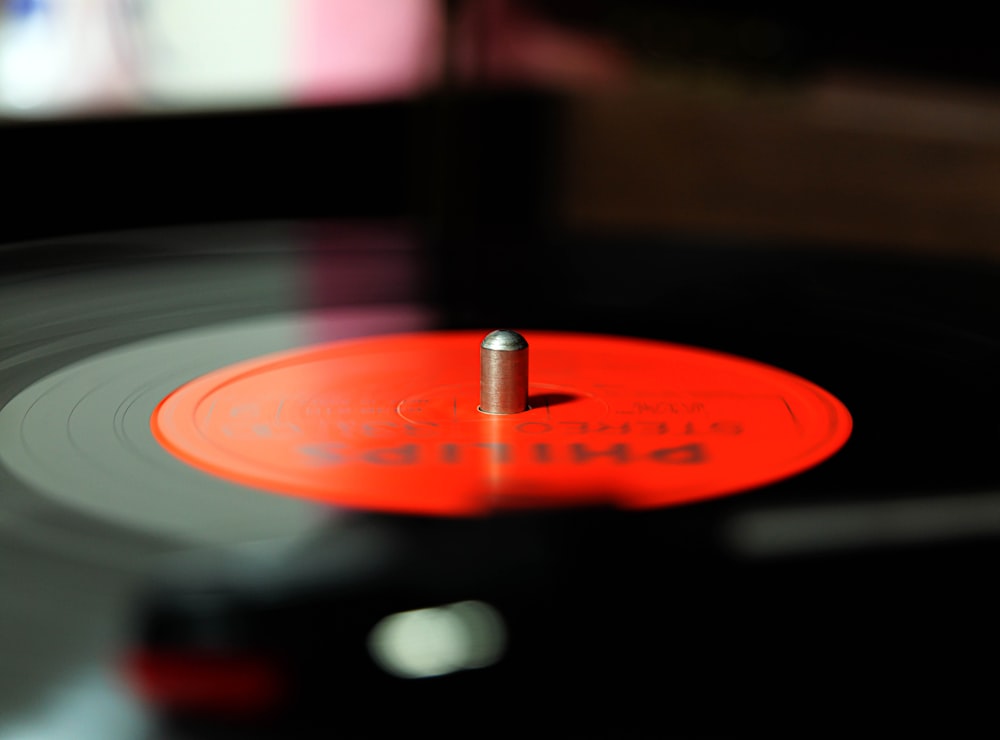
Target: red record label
<point x="392" y="424"/>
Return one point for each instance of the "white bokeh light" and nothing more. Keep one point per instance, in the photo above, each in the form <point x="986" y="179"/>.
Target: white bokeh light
<point x="433" y="642"/>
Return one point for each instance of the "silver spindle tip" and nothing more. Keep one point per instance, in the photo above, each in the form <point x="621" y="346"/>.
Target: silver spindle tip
<point x="504" y="340"/>
<point x="503" y="373"/>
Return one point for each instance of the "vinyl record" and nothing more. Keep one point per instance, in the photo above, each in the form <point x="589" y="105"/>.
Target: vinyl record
<point x="738" y="470"/>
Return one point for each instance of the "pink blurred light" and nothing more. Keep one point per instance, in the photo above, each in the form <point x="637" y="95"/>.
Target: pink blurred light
<point x="357" y="50"/>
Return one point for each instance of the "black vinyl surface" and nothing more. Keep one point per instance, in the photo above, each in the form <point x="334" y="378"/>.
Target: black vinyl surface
<point x="858" y="594"/>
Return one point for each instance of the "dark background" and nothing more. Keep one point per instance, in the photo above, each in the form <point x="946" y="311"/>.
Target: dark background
<point x="489" y="153"/>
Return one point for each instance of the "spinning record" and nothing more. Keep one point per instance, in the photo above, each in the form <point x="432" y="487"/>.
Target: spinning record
<point x="306" y="423"/>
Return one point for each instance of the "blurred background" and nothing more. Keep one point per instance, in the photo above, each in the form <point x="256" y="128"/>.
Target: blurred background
<point x="837" y="124"/>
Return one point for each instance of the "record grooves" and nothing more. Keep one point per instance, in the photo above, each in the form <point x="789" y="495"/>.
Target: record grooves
<point x="873" y="560"/>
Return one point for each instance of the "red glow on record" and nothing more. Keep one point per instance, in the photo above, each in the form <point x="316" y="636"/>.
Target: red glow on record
<point x="231" y="684"/>
<point x="391" y="424"/>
